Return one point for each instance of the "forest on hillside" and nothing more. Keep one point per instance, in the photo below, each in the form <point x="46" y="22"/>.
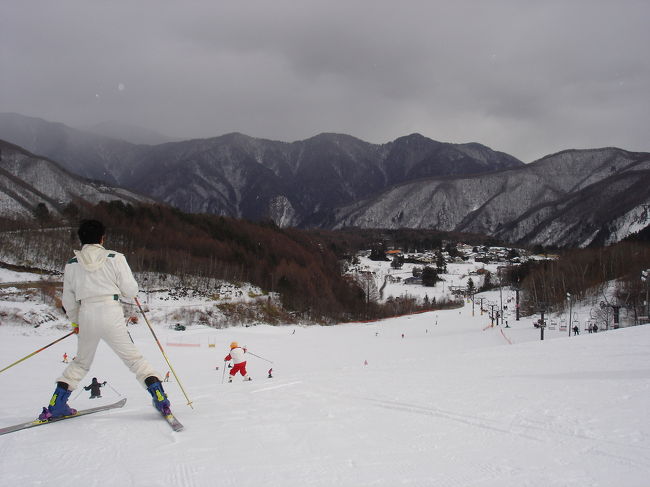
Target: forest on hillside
<point x="579" y="273"/>
<point x="305" y="268"/>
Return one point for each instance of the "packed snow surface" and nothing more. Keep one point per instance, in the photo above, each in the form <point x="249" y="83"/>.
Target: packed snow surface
<point x="446" y="404"/>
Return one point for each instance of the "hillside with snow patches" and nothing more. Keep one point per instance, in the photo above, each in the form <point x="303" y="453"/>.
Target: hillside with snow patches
<point x="438" y="398"/>
<point x="28" y="180"/>
<point x="573" y="198"/>
<point x="247" y="177"/>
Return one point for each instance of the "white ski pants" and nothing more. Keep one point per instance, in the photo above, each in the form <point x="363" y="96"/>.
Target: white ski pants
<point x="103" y="319"/>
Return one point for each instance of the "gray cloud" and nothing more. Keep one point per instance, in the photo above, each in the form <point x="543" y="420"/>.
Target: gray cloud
<point x="524" y="77"/>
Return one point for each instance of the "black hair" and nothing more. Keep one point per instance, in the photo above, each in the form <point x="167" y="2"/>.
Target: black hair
<point x="91" y="232"/>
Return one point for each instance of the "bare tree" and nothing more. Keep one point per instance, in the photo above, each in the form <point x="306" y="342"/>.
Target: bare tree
<point x="368" y="284"/>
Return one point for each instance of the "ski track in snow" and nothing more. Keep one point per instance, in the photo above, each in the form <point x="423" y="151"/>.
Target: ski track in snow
<point x="288" y="384"/>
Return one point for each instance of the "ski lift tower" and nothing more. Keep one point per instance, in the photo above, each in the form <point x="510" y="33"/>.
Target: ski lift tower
<point x="541" y="305"/>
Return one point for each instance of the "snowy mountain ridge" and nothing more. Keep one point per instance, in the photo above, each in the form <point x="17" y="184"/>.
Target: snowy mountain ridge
<point x="242" y="176"/>
<point x="572" y="198"/>
<point x="29" y="180"/>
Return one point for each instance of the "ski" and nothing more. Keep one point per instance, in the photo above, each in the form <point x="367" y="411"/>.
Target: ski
<point x="82" y="412"/>
<point x="173" y="422"/>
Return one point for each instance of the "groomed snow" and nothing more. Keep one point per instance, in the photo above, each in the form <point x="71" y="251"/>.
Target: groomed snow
<point x="451" y="404"/>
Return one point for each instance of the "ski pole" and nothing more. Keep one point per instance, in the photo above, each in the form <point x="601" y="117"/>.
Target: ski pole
<point x="39" y="350"/>
<point x="258" y="356"/>
<point x="108" y="384"/>
<point x="223" y="374"/>
<point x="189" y="403"/>
<point x="127" y="330"/>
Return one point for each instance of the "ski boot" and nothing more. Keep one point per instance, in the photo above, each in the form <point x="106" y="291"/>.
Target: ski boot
<point x="58" y="404"/>
<point x="160" y="401"/>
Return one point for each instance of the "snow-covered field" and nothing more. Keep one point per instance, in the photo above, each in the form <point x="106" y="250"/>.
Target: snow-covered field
<point x="447" y="404"/>
<point x="391" y="281"/>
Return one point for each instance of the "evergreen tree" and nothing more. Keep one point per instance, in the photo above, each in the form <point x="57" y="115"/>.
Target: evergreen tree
<point x="398" y="262"/>
<point x="42" y="213"/>
<point x="470" y="286"/>
<point x="452" y="250"/>
<point x="487" y="282"/>
<point x="440" y="262"/>
<point x="378" y="253"/>
<point x="429" y="276"/>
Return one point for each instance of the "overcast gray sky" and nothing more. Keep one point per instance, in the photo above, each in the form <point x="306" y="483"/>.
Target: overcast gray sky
<point x="528" y="78"/>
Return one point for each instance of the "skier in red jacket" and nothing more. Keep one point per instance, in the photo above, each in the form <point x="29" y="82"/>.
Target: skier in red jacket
<point x="237" y="356"/>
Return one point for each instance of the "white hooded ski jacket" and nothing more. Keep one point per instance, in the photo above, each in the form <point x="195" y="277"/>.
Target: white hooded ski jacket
<point x="95" y="272"/>
<point x="236" y="355"/>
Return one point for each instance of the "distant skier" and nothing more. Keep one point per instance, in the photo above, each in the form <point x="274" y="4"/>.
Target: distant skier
<point x="271" y="373"/>
<point x="576" y="330"/>
<point x="167" y="376"/>
<point x="92" y="282"/>
<point x="95" y="388"/>
<point x="65" y="358"/>
<point x="595" y="328"/>
<point x="237" y="356"/>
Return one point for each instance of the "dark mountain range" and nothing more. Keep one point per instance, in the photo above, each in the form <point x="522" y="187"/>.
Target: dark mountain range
<point x="245" y="177"/>
<point x="30" y="184"/>
<point x="573" y="198"/>
<point x="82" y="153"/>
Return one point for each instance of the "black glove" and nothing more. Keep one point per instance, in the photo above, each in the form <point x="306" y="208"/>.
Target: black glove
<point x="104" y="383"/>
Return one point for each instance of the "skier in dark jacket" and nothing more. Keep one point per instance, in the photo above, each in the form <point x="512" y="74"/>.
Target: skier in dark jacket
<point x="95" y="388"/>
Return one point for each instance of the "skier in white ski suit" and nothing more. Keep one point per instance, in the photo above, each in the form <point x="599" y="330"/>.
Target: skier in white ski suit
<point x="239" y="360"/>
<point x="92" y="282"/>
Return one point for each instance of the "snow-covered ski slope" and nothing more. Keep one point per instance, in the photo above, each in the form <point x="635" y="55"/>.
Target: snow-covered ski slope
<point x="449" y="404"/>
